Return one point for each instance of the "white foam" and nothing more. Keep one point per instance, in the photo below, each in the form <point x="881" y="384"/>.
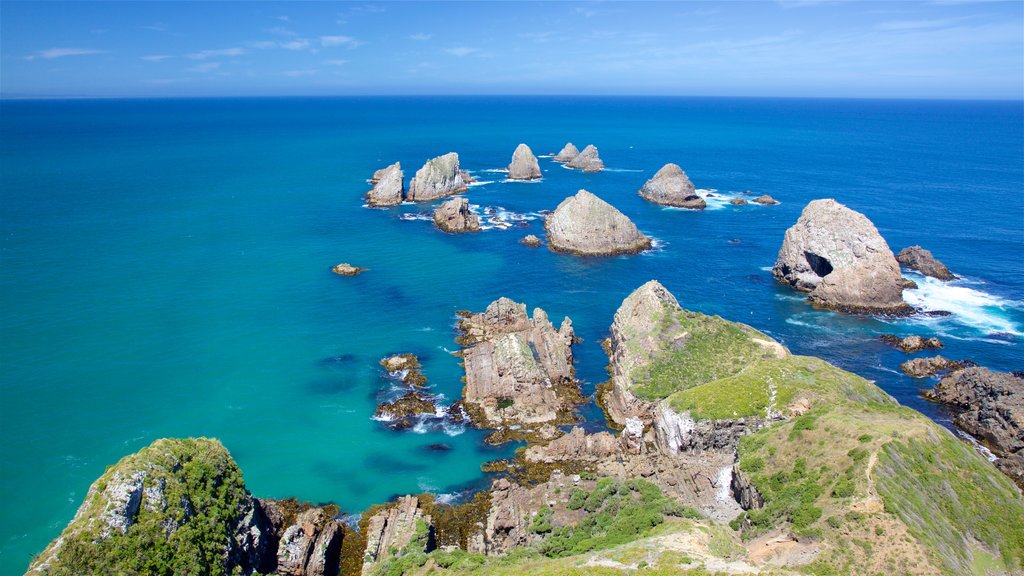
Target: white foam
<point x="968" y="304"/>
<point x="480" y="183"/>
<point x="496" y="170"/>
<point x="511" y="181"/>
<point x="621" y="170"/>
<point x="657" y="245"/>
<point x="416" y="216"/>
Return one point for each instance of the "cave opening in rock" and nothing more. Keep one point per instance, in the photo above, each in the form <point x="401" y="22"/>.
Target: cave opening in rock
<point x="819" y="264"/>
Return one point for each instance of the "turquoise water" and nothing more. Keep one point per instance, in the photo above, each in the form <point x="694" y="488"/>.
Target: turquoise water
<point x="166" y="266"/>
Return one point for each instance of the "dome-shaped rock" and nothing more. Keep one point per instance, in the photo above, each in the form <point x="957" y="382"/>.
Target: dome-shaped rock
<point x="671" y="187"/>
<point x="454" y="216"/>
<point x="838" y="256"/>
<point x="524" y="164"/>
<point x="586" y="225"/>
<point x="387" y="186"/>
<point x="568" y="152"/>
<point x="588" y="160"/>
<point x="438" y="178"/>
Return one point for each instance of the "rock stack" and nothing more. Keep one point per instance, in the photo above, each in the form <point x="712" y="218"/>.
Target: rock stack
<point x="671" y="187"/>
<point x="588" y="226"/>
<point x="524" y="164"/>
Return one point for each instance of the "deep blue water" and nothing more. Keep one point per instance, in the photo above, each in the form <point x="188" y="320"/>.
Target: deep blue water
<point x="166" y="266"/>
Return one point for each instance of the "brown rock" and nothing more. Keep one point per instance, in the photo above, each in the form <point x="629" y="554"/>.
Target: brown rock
<point x="454" y="216"/>
<point x="531" y="241"/>
<point x="910" y="344"/>
<point x="524" y="164"/>
<point x="311" y="546"/>
<point x="406" y="368"/>
<point x="919" y="259"/>
<point x="924" y="367"/>
<point x="346" y="269"/>
<point x="567" y="153"/>
<point x="765" y="199"/>
<point x="671" y="187"/>
<point x="393" y="528"/>
<point x="738" y="202"/>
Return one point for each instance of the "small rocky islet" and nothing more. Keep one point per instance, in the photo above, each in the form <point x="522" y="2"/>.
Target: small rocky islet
<point x="725" y="448"/>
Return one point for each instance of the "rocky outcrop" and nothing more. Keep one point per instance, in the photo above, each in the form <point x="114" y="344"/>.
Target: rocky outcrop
<point x="924" y="367"/>
<point x="524" y="164"/>
<point x="991" y="408"/>
<point x="567" y="153"/>
<point x="346" y="269"/>
<point x="588" y="226"/>
<point x="406" y="368"/>
<point x="587" y="160"/>
<point x="576" y="446"/>
<point x="454" y="216"/>
<point x="765" y="200"/>
<point x="388" y="186"/>
<point x="744" y="491"/>
<point x="395" y="528"/>
<point x="438" y="178"/>
<point x="636" y="335"/>
<point x="402" y="413"/>
<point x="671" y="187"/>
<point x="678" y="432"/>
<point x="917" y="258"/>
<point x="738" y="202"/>
<point x="837" y="256"/>
<point x="519" y="370"/>
<point x="531" y="241"/>
<point x="911" y="344"/>
<point x="311" y="546"/>
<point x="131" y="503"/>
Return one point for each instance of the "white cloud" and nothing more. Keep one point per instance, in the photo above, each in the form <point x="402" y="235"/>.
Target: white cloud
<point x="300" y="44"/>
<point x="461" y="51"/>
<point x="282" y="31"/>
<point x="52" y="53"/>
<point x="329" y="41"/>
<point x="421" y="37"/>
<point x="156" y="58"/>
<point x="300" y="73"/>
<point x="336" y="62"/>
<point x="204" y="54"/>
<point x="204" y="68"/>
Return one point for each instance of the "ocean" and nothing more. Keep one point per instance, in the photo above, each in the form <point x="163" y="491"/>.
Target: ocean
<point x="166" y="266"/>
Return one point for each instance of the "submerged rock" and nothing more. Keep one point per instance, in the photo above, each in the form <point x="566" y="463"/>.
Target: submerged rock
<point x="406" y="368"/>
<point x="567" y="153"/>
<point x="346" y="269"/>
<point x="838" y="257"/>
<point x="672" y="187"/>
<point x="438" y="178"/>
<point x="588" y="226"/>
<point x="587" y="160"/>
<point x="765" y="199"/>
<point x="991" y="408"/>
<point x="524" y="164"/>
<point x="388" y="186"/>
<point x="454" y="216"/>
<point x="531" y="241"/>
<point x="917" y="258"/>
<point x="910" y="344"/>
<point x="519" y="370"/>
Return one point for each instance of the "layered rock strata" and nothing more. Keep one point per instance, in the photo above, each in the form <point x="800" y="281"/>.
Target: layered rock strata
<point x="438" y="178"/>
<point x="388" y="186"/>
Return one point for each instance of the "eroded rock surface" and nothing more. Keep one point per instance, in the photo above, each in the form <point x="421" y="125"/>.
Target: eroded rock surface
<point x="438" y="178"/>
<point x="765" y="200"/>
<point x="672" y="187"/>
<point x="838" y="257"/>
<point x="587" y="160"/>
<point x="911" y="344"/>
<point x="454" y="216"/>
<point x="524" y="164"/>
<point x="531" y="241"/>
<point x="924" y="367"/>
<point x="519" y="370"/>
<point x="917" y="258"/>
<point x="395" y="528"/>
<point x="568" y="152"/>
<point x="388" y="186"/>
<point x="586" y="225"/>
<point x="311" y="546"/>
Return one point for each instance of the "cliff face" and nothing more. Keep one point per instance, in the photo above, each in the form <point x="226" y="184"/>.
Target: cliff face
<point x="438" y="178"/>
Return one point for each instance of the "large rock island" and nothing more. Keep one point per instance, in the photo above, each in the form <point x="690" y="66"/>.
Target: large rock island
<point x="672" y="187"/>
<point x="838" y="257"/>
<point x="524" y="164"/>
<point x="588" y="226"/>
<point x="588" y="160"/>
<point x="438" y="178"/>
<point x="388" y="186"/>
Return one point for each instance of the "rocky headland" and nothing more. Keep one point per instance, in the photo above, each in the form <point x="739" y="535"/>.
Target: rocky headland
<point x="838" y="257"/>
<point x="917" y="258"/>
<point x="670" y="186"/>
<point x="524" y="164"/>
<point x="455" y="217"/>
<point x="588" y="226"/>
<point x="438" y="178"/>
<point x="388" y="186"/>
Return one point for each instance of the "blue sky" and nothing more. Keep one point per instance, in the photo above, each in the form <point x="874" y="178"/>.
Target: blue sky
<point x="940" y="49"/>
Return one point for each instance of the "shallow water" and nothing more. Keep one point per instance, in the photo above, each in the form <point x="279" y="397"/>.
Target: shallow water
<point x="166" y="266"/>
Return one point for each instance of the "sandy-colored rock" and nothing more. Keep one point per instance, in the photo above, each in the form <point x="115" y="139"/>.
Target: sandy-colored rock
<point x="388" y="186"/>
<point x="588" y="226"/>
<point x="838" y="257"/>
<point x="406" y="368"/>
<point x="438" y="178"/>
<point x="672" y="187"/>
<point x="454" y="216"/>
<point x="567" y="153"/>
<point x="765" y="199"/>
<point x="911" y="344"/>
<point x="917" y="258"/>
<point x="524" y="164"/>
<point x="518" y="369"/>
<point x="531" y="241"/>
<point x="587" y="160"/>
<point x="393" y="528"/>
<point x="738" y="202"/>
<point x="346" y="269"/>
